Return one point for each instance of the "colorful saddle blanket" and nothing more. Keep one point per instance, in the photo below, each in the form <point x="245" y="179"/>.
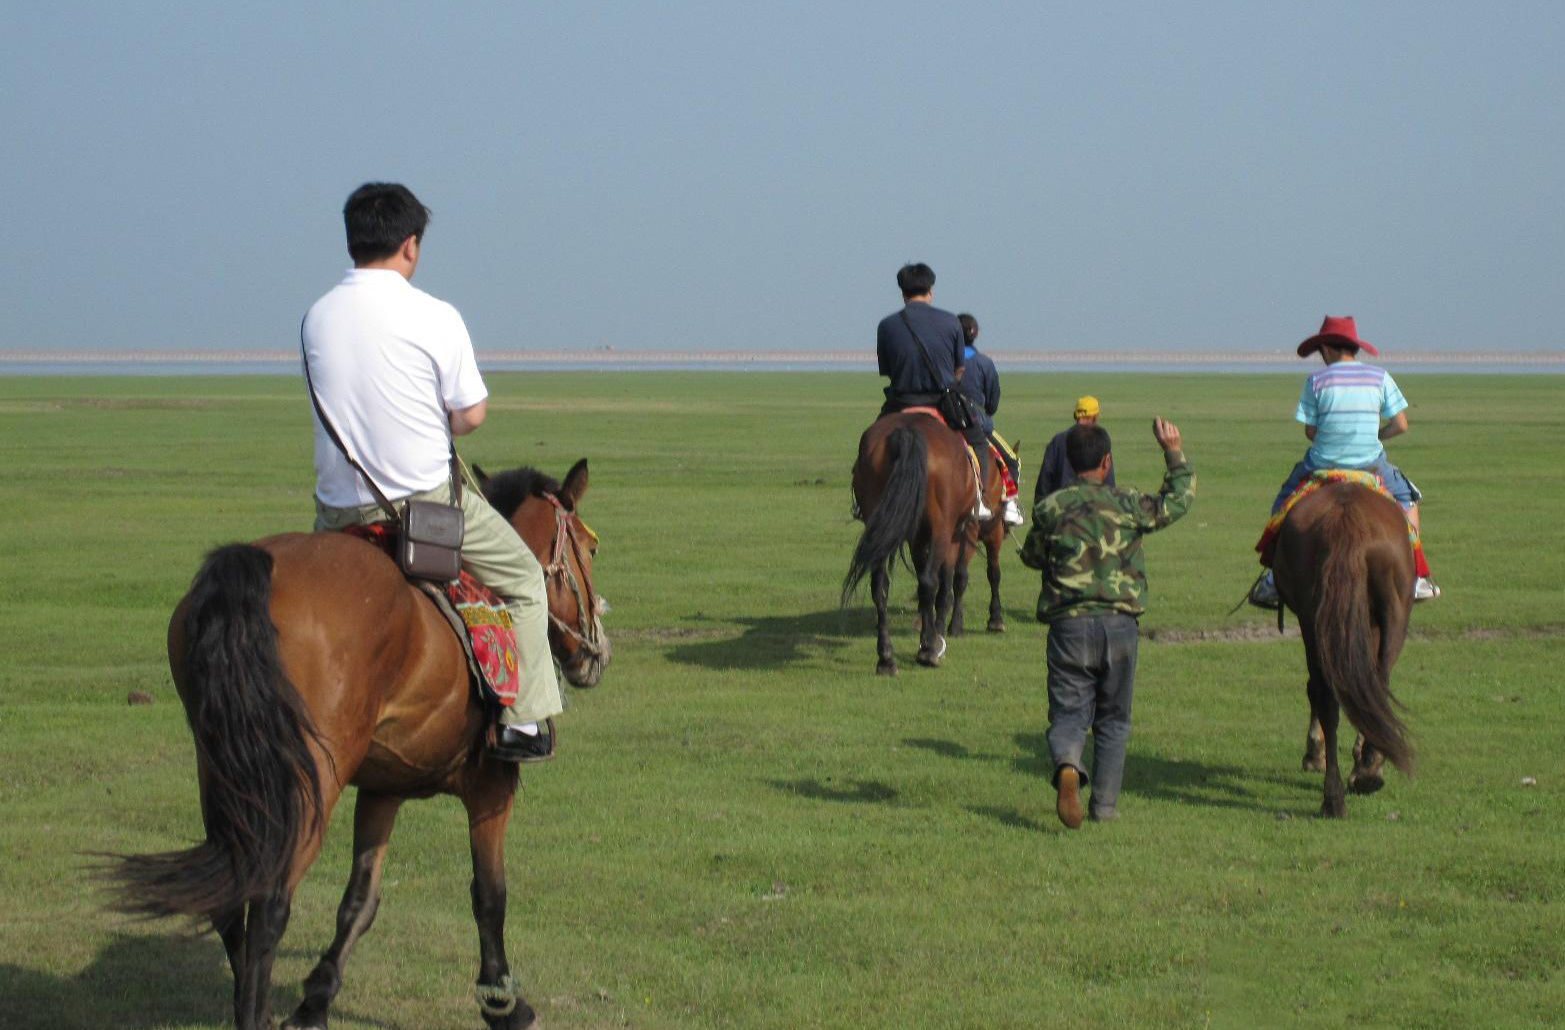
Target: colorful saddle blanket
<point x="476" y="614"/>
<point x="1267" y="545"/>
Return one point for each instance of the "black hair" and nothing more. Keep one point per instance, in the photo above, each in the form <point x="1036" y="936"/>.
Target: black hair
<point x="378" y="217"/>
<point x="1086" y="447"/>
<point x="915" y="280"/>
<point x="969" y="327"/>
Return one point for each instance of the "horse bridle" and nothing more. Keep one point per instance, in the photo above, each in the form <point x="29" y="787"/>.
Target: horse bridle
<point x="588" y="632"/>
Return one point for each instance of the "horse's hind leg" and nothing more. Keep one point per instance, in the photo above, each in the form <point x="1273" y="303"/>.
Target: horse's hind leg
<point x="488" y="805"/>
<point x="1366" y="776"/>
<point x="264" y="926"/>
<point x="230" y="927"/>
<point x="1324" y="703"/>
<point x="879" y="588"/>
<point x="373" y="817"/>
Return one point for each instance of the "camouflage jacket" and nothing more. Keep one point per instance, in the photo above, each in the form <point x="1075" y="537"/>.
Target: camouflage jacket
<point x="1087" y="540"/>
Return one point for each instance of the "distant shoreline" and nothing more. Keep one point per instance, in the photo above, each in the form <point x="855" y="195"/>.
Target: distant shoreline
<point x="218" y="362"/>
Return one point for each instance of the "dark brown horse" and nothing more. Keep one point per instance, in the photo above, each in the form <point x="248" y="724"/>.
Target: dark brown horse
<point x="307" y="663"/>
<point x="1344" y="566"/>
<point x="914" y="487"/>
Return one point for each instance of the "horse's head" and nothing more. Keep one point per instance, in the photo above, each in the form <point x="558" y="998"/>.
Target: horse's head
<point x="544" y="514"/>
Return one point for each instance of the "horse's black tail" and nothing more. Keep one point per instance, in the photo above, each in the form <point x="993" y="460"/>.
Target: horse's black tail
<point x="890" y="527"/>
<point x="1342" y="624"/>
<point x="260" y="790"/>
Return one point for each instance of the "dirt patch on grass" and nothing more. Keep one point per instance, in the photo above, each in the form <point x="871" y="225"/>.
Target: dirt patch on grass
<point x="670" y="634"/>
<point x="1248" y="633"/>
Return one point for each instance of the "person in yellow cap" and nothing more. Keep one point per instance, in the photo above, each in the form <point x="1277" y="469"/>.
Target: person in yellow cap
<point x="1057" y="471"/>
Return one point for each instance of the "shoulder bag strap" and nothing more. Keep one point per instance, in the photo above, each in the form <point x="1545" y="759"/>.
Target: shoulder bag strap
<point x="320" y="413"/>
<point x="928" y="361"/>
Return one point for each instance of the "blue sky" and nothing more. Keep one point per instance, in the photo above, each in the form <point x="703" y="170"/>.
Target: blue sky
<point x="1144" y="176"/>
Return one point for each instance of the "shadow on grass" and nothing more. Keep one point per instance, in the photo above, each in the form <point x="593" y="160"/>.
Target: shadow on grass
<point x="1167" y="779"/>
<point x="776" y="641"/>
<point x="1013" y="818"/>
<point x="138" y="982"/>
<point x="855" y="791"/>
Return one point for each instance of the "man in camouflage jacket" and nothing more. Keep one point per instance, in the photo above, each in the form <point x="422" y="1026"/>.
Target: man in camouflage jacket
<point x="1086" y="538"/>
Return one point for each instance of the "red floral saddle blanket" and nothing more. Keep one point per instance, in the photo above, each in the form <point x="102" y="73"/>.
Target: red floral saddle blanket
<point x="1266" y="547"/>
<point x="476" y="614"/>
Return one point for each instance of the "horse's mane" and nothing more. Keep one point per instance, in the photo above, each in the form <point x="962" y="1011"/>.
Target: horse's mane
<point x="507" y="491"/>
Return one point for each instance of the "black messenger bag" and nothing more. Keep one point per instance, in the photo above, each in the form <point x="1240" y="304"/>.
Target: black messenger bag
<point x="429" y="537"/>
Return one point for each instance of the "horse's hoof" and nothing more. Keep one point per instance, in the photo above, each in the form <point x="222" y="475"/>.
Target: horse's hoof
<point x="1312" y="764"/>
<point x="1366" y="783"/>
<point x="886" y="669"/>
<point x="929" y="659"/>
<point x="1333" y="811"/>
<point x="996" y="626"/>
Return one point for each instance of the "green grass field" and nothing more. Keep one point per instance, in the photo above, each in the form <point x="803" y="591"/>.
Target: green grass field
<point x="746" y="827"/>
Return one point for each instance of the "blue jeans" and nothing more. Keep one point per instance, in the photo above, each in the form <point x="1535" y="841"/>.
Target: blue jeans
<point x="1092" y="677"/>
<point x="1401" y="487"/>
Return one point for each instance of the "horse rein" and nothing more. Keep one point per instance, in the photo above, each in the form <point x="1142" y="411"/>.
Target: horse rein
<point x="588" y="631"/>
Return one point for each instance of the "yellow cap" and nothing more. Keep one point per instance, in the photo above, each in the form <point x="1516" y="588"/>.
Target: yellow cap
<point x="1086" y="406"/>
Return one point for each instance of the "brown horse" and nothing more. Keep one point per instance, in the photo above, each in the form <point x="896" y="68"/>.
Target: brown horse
<point x="1344" y="566"/>
<point x="914" y="487"/>
<point x="305" y="663"/>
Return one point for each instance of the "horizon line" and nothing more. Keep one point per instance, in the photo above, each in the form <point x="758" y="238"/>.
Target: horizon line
<point x="608" y="355"/>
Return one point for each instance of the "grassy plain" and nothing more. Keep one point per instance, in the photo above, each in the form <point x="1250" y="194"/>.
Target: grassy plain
<point x="746" y="827"/>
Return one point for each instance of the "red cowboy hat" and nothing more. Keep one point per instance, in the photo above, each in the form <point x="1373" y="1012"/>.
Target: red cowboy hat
<point x="1339" y="332"/>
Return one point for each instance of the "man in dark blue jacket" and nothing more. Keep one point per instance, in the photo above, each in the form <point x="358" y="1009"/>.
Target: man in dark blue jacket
<point x="1056" y="472"/>
<point x="898" y="356"/>
<point x="981" y="382"/>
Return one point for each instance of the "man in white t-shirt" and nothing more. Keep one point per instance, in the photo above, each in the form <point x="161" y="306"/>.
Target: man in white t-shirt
<point x="394" y="371"/>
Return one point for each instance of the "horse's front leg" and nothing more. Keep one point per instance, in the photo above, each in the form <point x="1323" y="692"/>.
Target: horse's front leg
<point x="373" y="817"/>
<point x="488" y="804"/>
<point x="1366" y="777"/>
<point x="958" y="578"/>
<point x="880" y="589"/>
<point x="1314" y="745"/>
<point x="992" y="544"/>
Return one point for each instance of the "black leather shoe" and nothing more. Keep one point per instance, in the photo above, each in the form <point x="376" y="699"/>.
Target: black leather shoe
<point x="512" y="745"/>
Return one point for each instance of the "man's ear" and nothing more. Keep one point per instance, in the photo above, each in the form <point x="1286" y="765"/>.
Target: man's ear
<point x="1108" y="464"/>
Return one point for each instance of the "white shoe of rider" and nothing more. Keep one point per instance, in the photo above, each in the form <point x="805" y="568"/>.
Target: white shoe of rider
<point x="1425" y="589"/>
<point x="1012" y="513"/>
<point x="981" y="511"/>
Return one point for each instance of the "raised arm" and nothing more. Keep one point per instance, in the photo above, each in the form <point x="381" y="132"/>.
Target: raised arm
<point x="1176" y="495"/>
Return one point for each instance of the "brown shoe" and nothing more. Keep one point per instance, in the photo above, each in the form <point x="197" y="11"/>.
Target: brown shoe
<point x="1069" y="804"/>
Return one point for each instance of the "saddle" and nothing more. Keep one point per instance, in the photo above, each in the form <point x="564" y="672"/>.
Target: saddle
<point x="1266" y="547"/>
<point x="476" y="615"/>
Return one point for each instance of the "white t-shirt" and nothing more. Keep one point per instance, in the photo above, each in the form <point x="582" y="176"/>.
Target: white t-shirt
<point x="388" y="362"/>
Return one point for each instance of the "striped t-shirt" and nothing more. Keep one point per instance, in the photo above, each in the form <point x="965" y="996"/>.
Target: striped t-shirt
<point x="1345" y="401"/>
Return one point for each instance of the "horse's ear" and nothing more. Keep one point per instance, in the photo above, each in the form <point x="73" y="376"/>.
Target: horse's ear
<point x="480" y="475"/>
<point x="575" y="487"/>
